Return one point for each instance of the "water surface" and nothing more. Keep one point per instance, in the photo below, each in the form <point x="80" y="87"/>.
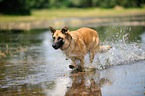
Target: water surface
<point x="30" y="66"/>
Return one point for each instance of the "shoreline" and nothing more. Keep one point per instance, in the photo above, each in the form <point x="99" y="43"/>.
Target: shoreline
<point x="129" y="20"/>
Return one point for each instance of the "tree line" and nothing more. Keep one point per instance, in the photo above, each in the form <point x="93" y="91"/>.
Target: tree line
<point x="23" y="7"/>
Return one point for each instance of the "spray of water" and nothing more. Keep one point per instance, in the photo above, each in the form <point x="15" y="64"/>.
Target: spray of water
<point x="122" y="52"/>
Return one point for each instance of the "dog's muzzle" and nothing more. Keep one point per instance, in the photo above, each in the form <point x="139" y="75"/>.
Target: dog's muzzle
<point x="57" y="45"/>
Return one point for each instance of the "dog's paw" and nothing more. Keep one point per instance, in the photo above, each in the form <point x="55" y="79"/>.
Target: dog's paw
<point x="71" y="67"/>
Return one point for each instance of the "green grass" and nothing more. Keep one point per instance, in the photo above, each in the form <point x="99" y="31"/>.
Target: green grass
<point x="49" y="14"/>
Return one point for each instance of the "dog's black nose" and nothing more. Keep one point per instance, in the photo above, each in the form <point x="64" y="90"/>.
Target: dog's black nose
<point x="54" y="46"/>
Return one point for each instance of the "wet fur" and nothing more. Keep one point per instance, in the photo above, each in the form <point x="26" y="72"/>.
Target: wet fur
<point x="76" y="44"/>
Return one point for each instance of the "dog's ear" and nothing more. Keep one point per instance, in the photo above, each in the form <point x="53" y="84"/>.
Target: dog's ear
<point x="64" y="30"/>
<point x="52" y="30"/>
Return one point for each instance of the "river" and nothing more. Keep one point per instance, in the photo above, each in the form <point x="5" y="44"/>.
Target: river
<point x="30" y="66"/>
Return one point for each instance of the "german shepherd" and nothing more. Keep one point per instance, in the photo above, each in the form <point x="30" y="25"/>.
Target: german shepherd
<point x="76" y="44"/>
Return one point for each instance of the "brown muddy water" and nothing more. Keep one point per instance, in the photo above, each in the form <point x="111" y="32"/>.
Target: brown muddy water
<point x="29" y="66"/>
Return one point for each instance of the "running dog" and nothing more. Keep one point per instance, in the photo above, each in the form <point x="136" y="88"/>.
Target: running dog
<point x="76" y="44"/>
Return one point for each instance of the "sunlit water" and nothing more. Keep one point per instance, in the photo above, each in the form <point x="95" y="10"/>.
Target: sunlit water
<point x="32" y="67"/>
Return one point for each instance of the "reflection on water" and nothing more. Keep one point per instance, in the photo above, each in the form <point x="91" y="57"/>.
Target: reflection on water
<point x="32" y="67"/>
<point x="85" y="84"/>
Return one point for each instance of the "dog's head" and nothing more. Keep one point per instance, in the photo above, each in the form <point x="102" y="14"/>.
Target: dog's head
<point x="61" y="38"/>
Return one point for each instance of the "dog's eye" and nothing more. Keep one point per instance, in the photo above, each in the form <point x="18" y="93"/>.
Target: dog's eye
<point x="59" y="38"/>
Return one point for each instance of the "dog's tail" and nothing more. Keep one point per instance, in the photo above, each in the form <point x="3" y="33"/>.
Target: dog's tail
<point x="103" y="49"/>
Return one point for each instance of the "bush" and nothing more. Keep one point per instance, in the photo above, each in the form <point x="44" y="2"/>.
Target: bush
<point x="15" y="7"/>
<point x="23" y="7"/>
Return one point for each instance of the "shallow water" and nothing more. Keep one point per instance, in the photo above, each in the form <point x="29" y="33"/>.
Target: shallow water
<point x="30" y="66"/>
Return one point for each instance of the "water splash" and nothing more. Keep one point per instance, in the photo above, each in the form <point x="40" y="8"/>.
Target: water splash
<point x="122" y="52"/>
<point x="119" y="54"/>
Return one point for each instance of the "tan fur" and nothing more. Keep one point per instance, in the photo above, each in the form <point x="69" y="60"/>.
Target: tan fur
<point x="78" y="43"/>
<point x="103" y="49"/>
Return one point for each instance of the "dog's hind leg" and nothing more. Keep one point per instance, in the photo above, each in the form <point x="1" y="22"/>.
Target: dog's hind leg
<point x="92" y="52"/>
<point x="82" y="63"/>
<point x="91" y="57"/>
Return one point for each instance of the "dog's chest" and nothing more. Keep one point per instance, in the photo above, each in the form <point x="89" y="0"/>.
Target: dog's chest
<point x="77" y="47"/>
<point x="69" y="53"/>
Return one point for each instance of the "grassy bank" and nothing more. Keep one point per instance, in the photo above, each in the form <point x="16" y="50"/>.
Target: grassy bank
<point x="48" y="14"/>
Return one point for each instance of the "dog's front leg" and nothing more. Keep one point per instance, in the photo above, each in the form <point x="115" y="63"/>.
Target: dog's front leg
<point x="73" y="65"/>
<point x="78" y="64"/>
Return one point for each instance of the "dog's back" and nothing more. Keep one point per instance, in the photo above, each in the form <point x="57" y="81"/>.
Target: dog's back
<point x="90" y="37"/>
